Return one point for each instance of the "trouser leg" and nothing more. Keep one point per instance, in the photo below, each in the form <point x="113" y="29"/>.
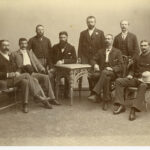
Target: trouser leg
<point x="121" y="84"/>
<point x="106" y="89"/>
<point x="45" y="84"/>
<point x="140" y="98"/>
<point x="52" y="76"/>
<point x="23" y="84"/>
<point x="103" y="77"/>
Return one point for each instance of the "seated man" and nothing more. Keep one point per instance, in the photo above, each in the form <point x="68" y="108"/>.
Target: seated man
<point x="26" y="61"/>
<point x="63" y="53"/>
<point x="108" y="61"/>
<point x="9" y="77"/>
<point x="141" y="64"/>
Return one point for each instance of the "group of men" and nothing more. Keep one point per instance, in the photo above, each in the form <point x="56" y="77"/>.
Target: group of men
<point x="32" y="66"/>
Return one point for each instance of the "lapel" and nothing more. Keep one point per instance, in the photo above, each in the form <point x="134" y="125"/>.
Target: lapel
<point x="19" y="60"/>
<point x="65" y="49"/>
<point x="88" y="36"/>
<point x="94" y="34"/>
<point x="30" y="54"/>
<point x="128" y="39"/>
<point x="111" y="55"/>
<point x="120" y="37"/>
<point x="4" y="58"/>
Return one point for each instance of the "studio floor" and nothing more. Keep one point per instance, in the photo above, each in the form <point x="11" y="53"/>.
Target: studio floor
<point x="84" y="123"/>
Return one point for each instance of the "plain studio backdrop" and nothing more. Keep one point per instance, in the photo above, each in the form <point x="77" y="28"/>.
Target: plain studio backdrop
<point x="18" y="18"/>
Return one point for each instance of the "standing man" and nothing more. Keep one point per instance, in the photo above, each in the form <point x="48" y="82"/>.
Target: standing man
<point x="141" y="65"/>
<point x="127" y="43"/>
<point x="63" y="53"/>
<point x="91" y="40"/>
<point x="41" y="46"/>
<point x="109" y="62"/>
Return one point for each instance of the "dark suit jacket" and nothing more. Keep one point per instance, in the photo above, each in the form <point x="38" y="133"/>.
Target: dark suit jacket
<point x="88" y="46"/>
<point x="141" y="64"/>
<point x="115" y="60"/>
<point x="69" y="54"/>
<point x="132" y="44"/>
<point x="18" y="59"/>
<point x="6" y="66"/>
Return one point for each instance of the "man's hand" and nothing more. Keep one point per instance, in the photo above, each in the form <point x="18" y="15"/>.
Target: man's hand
<point x="43" y="70"/>
<point x="96" y="67"/>
<point x="130" y="77"/>
<point x="52" y="70"/>
<point x="60" y="62"/>
<point x="109" y="69"/>
<point x="17" y="74"/>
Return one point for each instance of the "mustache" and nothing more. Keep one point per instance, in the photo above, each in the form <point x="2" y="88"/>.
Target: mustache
<point x="6" y="49"/>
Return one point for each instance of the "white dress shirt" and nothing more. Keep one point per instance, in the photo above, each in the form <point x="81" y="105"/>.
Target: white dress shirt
<point x="26" y="58"/>
<point x="91" y="31"/>
<point x="124" y="35"/>
<point x="5" y="55"/>
<point x="107" y="55"/>
<point x="62" y="50"/>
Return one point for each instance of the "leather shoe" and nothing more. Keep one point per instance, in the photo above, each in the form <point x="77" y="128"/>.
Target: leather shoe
<point x="121" y="109"/>
<point x="54" y="102"/>
<point x="47" y="104"/>
<point x="25" y="108"/>
<point x="132" y="115"/>
<point x="105" y="106"/>
<point x="93" y="98"/>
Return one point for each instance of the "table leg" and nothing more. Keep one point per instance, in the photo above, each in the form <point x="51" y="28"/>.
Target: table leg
<point x="80" y="86"/>
<point x="57" y="88"/>
<point x="71" y="86"/>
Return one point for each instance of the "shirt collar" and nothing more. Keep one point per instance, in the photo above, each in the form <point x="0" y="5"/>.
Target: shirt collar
<point x="108" y="49"/>
<point x="4" y="55"/>
<point x="91" y="29"/>
<point x="23" y="51"/>
<point x="124" y="33"/>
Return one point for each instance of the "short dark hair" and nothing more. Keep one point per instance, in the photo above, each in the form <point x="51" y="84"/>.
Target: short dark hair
<point x="145" y="41"/>
<point x="63" y="33"/>
<point x="22" y="39"/>
<point x="39" y="25"/>
<point x="90" y="17"/>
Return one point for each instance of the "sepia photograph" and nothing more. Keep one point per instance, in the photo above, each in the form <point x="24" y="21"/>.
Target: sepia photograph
<point x="74" y="73"/>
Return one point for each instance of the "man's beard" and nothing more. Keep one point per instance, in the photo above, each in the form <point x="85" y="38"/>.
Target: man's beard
<point x="40" y="34"/>
<point x="63" y="44"/>
<point x="90" y="26"/>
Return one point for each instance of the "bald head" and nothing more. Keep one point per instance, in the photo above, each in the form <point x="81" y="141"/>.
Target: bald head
<point x="124" y="24"/>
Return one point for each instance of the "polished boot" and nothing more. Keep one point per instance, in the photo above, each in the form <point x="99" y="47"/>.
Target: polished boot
<point x="41" y="98"/>
<point x="47" y="104"/>
<point x="121" y="109"/>
<point x="132" y="115"/>
<point x="93" y="98"/>
<point x="54" y="102"/>
<point x="25" y="108"/>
